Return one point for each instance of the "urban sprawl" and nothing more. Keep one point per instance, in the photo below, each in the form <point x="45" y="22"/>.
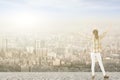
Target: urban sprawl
<point x="55" y="52"/>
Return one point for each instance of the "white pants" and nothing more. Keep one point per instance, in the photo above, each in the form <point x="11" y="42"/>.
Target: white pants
<point x="98" y="57"/>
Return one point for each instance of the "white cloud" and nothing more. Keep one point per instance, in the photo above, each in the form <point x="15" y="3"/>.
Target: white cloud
<point x="64" y="4"/>
<point x="76" y="5"/>
<point x="72" y="4"/>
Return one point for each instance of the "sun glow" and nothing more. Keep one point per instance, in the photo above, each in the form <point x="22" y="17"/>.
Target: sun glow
<point x="31" y="22"/>
<point x="24" y="21"/>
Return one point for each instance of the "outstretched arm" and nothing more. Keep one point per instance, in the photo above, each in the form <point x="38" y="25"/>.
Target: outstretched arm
<point x="104" y="33"/>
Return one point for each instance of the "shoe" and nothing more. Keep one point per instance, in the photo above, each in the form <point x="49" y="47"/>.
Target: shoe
<point x="93" y="77"/>
<point x="106" y="76"/>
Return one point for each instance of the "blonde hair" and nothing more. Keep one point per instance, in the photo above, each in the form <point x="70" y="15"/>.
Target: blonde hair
<point x="95" y="32"/>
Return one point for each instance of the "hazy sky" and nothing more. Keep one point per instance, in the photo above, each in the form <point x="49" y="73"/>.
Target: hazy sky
<point x="58" y="15"/>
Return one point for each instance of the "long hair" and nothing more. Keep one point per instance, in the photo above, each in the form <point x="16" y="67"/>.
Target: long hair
<point x="95" y="33"/>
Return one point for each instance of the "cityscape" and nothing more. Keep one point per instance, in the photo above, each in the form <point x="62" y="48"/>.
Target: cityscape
<point x="59" y="39"/>
<point x="63" y="52"/>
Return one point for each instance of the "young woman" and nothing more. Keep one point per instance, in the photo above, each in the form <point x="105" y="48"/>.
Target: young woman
<point x="96" y="52"/>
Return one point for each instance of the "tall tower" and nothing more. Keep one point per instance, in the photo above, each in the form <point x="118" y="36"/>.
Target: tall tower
<point x="41" y="51"/>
